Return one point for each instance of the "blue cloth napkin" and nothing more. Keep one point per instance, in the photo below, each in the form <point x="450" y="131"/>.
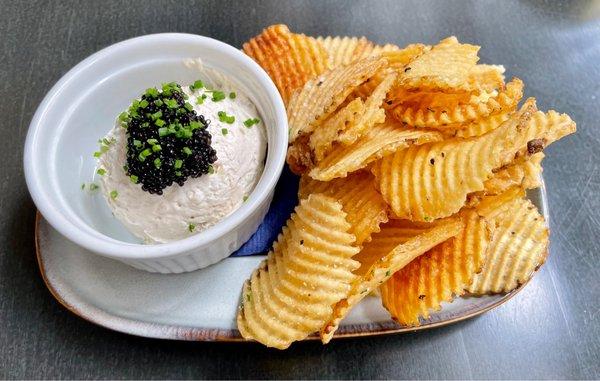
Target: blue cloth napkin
<point x="282" y="206"/>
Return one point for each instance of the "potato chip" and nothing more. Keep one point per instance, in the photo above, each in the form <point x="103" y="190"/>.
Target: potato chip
<point x="322" y="139"/>
<point x="433" y="180"/>
<point x="482" y="126"/>
<point x="386" y="254"/>
<point x="519" y="247"/>
<point x="321" y="96"/>
<point x="382" y="139"/>
<point x="344" y="50"/>
<point x="446" y="66"/>
<point x="309" y="269"/>
<point x="486" y="77"/>
<point x="365" y="207"/>
<point x="524" y="173"/>
<point x="505" y="100"/>
<point x="438" y="275"/>
<point x="290" y="59"/>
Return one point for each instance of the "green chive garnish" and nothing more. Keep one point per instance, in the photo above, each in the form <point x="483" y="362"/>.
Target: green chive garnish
<point x="114" y="194"/>
<point x="157" y="162"/>
<point x="152" y="141"/>
<point x="232" y="95"/>
<point x="223" y="117"/>
<point x="197" y="85"/>
<point x="134" y="179"/>
<point x="211" y="169"/>
<point x="160" y="122"/>
<point x="251" y="122"/>
<point x="171" y="103"/>
<point x="187" y="150"/>
<point x="217" y="96"/>
<point x="163" y="131"/>
<point x="143" y="103"/>
<point x="224" y="131"/>
<point x="191" y="227"/>
<point x="178" y="163"/>
<point x="137" y="143"/>
<point x="152" y="92"/>
<point x="178" y="173"/>
<point x="97" y="154"/>
<point x="156" y="148"/>
<point x="158" y="102"/>
<point x="101" y="171"/>
<point x="93" y="187"/>
<point x="83" y="186"/>
<point x="245" y="198"/>
<point x="188" y="106"/>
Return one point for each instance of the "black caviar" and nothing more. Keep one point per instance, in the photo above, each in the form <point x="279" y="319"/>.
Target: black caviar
<point x="167" y="142"/>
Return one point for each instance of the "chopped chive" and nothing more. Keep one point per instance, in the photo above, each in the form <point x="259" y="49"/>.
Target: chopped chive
<point x="217" y="96"/>
<point x="93" y="187"/>
<point x="245" y="198"/>
<point x="97" y="154"/>
<point x="125" y="168"/>
<point x="156" y="148"/>
<point x="178" y="173"/>
<point x="143" y="103"/>
<point x="211" y="169"/>
<point x="152" y="141"/>
<point x="195" y="125"/>
<point x="163" y="131"/>
<point x="158" y="102"/>
<point x="160" y="122"/>
<point x="251" y="122"/>
<point x="134" y="179"/>
<point x="152" y="92"/>
<point x="224" y="131"/>
<point x="178" y="163"/>
<point x="187" y="150"/>
<point x="156" y="115"/>
<point x="387" y="273"/>
<point x="123" y="117"/>
<point x="137" y="143"/>
<point x="232" y="95"/>
<point x="146" y="152"/>
<point x="223" y="117"/>
<point x="191" y="227"/>
<point x="200" y="100"/>
<point x="188" y="106"/>
<point x="114" y="194"/>
<point x="83" y="186"/>
<point x="101" y="171"/>
<point x="157" y="162"/>
<point x="171" y="103"/>
<point x="426" y="218"/>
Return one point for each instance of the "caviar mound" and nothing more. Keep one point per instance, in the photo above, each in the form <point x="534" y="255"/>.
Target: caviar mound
<point x="167" y="142"/>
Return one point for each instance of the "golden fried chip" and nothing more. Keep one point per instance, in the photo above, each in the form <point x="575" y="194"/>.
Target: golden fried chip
<point x="433" y="180"/>
<point x="343" y="50"/>
<point x="322" y="139"/>
<point x="524" y="172"/>
<point x="438" y="275"/>
<point x="505" y="100"/>
<point x="519" y="247"/>
<point x="482" y="126"/>
<point x="365" y="207"/>
<point x="322" y="95"/>
<point x="382" y="139"/>
<point x="290" y="59"/>
<point x="386" y="254"/>
<point x="309" y="269"/>
<point x="486" y="77"/>
<point x="446" y="66"/>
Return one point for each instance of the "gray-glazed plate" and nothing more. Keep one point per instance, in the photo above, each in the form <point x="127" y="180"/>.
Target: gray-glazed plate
<point x="200" y="305"/>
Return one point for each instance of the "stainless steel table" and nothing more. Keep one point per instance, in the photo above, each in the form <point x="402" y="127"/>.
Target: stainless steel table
<point x="550" y="330"/>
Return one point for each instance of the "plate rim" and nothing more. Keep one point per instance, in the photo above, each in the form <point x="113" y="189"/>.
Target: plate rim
<point x="172" y="332"/>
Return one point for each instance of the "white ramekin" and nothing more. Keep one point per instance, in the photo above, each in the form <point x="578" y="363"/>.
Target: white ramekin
<point x="81" y="108"/>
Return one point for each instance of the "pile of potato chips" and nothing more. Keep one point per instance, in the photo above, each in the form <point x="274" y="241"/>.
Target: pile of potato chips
<point x="414" y="165"/>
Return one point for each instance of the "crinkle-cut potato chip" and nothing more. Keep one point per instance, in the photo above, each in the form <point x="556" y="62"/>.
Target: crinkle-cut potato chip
<point x="366" y="210"/>
<point x="486" y="77"/>
<point x="386" y="254"/>
<point x="322" y="139"/>
<point x="426" y="99"/>
<point x="309" y="269"/>
<point x="525" y="172"/>
<point x="344" y="50"/>
<point x="505" y="100"/>
<point x="382" y="139"/>
<point x="290" y="59"/>
<point x="350" y="122"/>
<point x="433" y="180"/>
<point x="438" y="275"/>
<point x="322" y="95"/>
<point x="482" y="126"/>
<point x="519" y="247"/>
<point x="446" y="66"/>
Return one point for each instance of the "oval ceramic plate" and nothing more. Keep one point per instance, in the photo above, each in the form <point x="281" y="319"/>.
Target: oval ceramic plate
<point x="199" y="305"/>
